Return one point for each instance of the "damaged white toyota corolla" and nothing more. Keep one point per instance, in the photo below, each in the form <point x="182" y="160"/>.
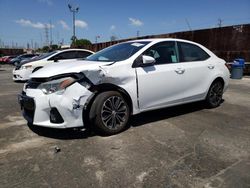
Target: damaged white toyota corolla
<point x="122" y="80"/>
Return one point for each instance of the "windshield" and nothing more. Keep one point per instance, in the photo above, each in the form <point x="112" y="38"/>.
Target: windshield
<point x="117" y="52"/>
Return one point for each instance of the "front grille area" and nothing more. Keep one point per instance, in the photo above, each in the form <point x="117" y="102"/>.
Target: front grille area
<point x="28" y="106"/>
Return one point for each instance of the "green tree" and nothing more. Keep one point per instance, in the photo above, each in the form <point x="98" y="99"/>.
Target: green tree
<point x="45" y="49"/>
<point x="54" y="47"/>
<point x="80" y="43"/>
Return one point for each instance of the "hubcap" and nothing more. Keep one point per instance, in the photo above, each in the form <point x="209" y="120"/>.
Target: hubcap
<point x="215" y="95"/>
<point x="114" y="112"/>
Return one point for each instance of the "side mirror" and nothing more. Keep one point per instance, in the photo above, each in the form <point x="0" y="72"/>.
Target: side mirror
<point x="56" y="59"/>
<point x="147" y="60"/>
<point x="143" y="61"/>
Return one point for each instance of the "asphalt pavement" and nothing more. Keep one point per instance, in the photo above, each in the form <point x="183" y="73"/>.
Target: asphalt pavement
<point x="183" y="146"/>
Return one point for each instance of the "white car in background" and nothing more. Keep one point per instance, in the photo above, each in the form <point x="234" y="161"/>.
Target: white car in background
<point x="125" y="79"/>
<point x="23" y="70"/>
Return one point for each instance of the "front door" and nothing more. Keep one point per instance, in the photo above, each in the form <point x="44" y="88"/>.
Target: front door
<point x="161" y="84"/>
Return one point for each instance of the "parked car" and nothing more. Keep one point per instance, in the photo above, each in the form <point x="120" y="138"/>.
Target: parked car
<point x="22" y="71"/>
<point x="6" y="59"/>
<point x="18" y="59"/>
<point x="122" y="80"/>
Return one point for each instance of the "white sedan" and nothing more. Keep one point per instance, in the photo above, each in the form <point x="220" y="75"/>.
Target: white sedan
<point x="23" y="70"/>
<point x="123" y="80"/>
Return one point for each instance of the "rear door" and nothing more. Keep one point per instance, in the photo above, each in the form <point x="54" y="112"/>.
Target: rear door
<point x="198" y="68"/>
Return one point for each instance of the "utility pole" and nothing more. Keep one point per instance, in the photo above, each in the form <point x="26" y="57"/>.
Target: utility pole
<point x="41" y="40"/>
<point x="46" y="35"/>
<point x="32" y="47"/>
<point x="187" y="22"/>
<point x="57" y="37"/>
<point x="96" y="38"/>
<point x="50" y="27"/>
<point x="74" y="10"/>
<point x="220" y="22"/>
<point x="137" y="33"/>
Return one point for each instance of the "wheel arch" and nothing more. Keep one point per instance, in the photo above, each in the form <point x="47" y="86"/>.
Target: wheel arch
<point x="111" y="87"/>
<point x="219" y="78"/>
<point x="37" y="68"/>
<point x="207" y="98"/>
<point x="97" y="89"/>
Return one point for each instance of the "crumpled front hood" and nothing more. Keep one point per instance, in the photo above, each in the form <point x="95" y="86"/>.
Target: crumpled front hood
<point x="67" y="67"/>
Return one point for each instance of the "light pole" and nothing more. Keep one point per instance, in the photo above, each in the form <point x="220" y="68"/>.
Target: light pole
<point x="74" y="10"/>
<point x="96" y="38"/>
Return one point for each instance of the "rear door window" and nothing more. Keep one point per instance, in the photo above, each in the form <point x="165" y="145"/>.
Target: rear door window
<point x="190" y="52"/>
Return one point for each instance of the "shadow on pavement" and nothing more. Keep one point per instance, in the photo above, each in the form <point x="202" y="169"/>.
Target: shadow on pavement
<point x="165" y="113"/>
<point x="135" y="121"/>
<point x="62" y="134"/>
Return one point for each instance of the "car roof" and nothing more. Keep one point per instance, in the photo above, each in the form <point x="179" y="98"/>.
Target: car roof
<point x="161" y="40"/>
<point x="156" y="40"/>
<point x="72" y="49"/>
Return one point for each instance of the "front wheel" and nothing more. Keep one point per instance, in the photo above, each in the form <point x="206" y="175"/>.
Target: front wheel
<point x="214" y="95"/>
<point x="109" y="113"/>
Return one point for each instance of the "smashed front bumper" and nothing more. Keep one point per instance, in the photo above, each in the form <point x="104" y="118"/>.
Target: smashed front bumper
<point x="58" y="110"/>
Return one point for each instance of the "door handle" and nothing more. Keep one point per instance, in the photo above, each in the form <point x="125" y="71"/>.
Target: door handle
<point x="180" y="71"/>
<point x="210" y="66"/>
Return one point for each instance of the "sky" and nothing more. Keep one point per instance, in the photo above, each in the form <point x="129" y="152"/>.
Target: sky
<point x="24" y="21"/>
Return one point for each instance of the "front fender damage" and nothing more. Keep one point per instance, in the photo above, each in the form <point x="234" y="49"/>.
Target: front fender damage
<point x="115" y="77"/>
<point x="70" y="103"/>
<point x="109" y="75"/>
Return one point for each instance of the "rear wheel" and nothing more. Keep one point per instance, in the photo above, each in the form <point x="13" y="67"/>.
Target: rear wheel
<point x="109" y="113"/>
<point x="214" y="96"/>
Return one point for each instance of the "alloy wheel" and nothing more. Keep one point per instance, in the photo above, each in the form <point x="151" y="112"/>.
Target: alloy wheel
<point x="114" y="112"/>
<point x="215" y="95"/>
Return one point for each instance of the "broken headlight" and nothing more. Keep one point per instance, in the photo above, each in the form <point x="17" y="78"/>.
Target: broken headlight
<point x="56" y="85"/>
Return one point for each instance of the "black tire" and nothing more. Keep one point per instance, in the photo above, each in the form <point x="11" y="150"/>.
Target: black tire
<point x="109" y="113"/>
<point x="214" y="95"/>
